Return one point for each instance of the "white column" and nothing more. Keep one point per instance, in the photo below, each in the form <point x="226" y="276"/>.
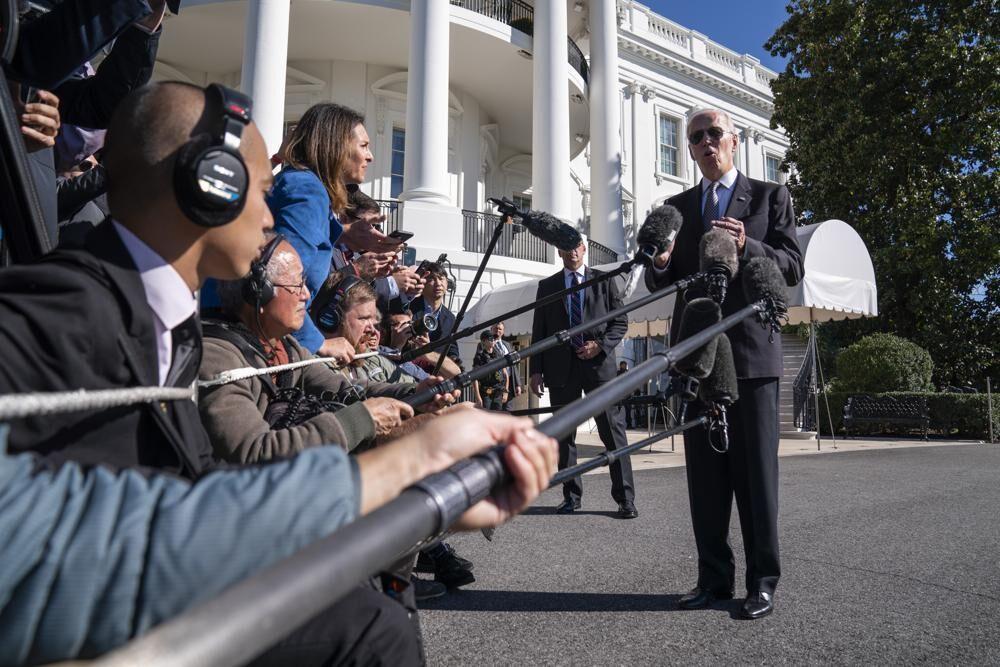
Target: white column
<point x="265" y="57"/>
<point x="425" y="175"/>
<point x="550" y="179"/>
<point x="605" y="124"/>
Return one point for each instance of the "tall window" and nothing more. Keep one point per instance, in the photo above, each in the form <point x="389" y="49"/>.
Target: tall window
<point x="773" y="167"/>
<point x="668" y="145"/>
<point x="398" y="158"/>
<point x="523" y="202"/>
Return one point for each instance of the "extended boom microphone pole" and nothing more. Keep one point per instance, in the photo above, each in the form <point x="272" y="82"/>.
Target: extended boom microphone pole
<point x="560" y="337"/>
<point x="410" y="355"/>
<point x="297" y="588"/>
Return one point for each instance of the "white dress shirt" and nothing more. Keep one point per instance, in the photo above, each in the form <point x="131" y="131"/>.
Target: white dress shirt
<point x="167" y="294"/>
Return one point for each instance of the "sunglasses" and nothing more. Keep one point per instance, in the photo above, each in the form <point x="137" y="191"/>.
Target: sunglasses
<point x="714" y="133"/>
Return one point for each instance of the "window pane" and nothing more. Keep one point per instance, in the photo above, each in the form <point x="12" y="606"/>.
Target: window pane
<point x="397" y="162"/>
<point x="668" y="145"/>
<point x="773" y="171"/>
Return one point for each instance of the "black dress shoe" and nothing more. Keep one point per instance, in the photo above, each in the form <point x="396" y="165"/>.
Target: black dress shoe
<point x="699" y="598"/>
<point x="627" y="510"/>
<point x="567" y="507"/>
<point x="758" y="605"/>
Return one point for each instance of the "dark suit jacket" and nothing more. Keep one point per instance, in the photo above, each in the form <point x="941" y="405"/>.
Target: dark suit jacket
<point x="90" y="102"/>
<point x="766" y="212"/>
<point x="79" y="320"/>
<point x="556" y="364"/>
<point x="446" y="321"/>
<point x="513" y="377"/>
<point x="53" y="46"/>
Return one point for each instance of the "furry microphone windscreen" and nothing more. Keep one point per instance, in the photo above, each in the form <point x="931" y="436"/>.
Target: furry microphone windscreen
<point x="720" y="385"/>
<point x="660" y="228"/>
<point x="551" y="229"/>
<point x="763" y="280"/>
<point x="698" y="315"/>
<point x="717" y="253"/>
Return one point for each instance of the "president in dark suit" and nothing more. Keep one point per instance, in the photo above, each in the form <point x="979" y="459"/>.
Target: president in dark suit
<point x="584" y="364"/>
<point x="759" y="216"/>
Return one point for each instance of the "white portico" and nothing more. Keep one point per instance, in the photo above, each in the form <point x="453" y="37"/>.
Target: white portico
<point x="575" y="107"/>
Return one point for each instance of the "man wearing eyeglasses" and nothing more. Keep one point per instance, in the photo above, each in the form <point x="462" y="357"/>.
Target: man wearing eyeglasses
<point x="760" y="219"/>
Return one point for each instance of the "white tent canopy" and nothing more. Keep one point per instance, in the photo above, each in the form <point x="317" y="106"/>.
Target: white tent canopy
<point x="839" y="280"/>
<point x="839" y="283"/>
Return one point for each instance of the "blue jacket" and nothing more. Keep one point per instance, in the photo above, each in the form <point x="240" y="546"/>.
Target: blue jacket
<point x="92" y="558"/>
<point x="301" y="209"/>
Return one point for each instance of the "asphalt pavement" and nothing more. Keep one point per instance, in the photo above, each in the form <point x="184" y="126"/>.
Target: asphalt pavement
<point x="889" y="556"/>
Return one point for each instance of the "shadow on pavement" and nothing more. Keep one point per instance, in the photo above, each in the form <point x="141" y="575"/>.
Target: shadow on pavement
<point x="545" y="511"/>
<point x="527" y="601"/>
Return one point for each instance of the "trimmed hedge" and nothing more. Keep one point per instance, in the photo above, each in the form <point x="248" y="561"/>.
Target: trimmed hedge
<point x="882" y="363"/>
<point x="962" y="416"/>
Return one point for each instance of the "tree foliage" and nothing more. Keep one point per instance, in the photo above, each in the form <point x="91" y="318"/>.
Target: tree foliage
<point x="882" y="362"/>
<point x="892" y="109"/>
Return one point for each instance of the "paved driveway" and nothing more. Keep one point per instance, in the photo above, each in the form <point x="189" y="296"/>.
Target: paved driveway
<point x="889" y="556"/>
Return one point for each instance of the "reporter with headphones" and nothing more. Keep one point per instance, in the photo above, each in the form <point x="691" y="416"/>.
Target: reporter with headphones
<point x="99" y="555"/>
<point x="188" y="172"/>
<point x="271" y="416"/>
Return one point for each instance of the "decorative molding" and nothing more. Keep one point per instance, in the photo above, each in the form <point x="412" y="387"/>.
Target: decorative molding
<point x="696" y="72"/>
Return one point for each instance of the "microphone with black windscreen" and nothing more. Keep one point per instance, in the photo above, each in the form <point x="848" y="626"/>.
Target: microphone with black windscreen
<point x="658" y="232"/>
<point x="762" y="281"/>
<point x="720" y="385"/>
<point x="719" y="259"/>
<point x="719" y="390"/>
<point x="541" y="225"/>
<point x="698" y="315"/>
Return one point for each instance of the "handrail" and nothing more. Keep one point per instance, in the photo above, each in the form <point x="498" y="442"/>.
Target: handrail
<point x="521" y="16"/>
<point x="477" y="228"/>
<point x="600" y="253"/>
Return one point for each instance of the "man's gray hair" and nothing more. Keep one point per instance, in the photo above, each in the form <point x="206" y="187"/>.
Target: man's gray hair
<point x="727" y="119"/>
<point x="231" y="291"/>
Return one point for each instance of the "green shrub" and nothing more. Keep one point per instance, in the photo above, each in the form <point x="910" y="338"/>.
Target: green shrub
<point x="961" y="416"/>
<point x="883" y="363"/>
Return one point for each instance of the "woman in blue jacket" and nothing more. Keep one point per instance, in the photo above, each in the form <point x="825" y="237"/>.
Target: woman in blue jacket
<point x="327" y="151"/>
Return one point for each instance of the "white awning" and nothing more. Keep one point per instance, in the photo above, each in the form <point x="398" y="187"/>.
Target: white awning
<point x="839" y="283"/>
<point x="839" y="280"/>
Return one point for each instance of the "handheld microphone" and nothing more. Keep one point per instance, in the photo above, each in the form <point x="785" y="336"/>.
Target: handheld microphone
<point x="718" y="257"/>
<point x="658" y="232"/>
<point x="698" y="315"/>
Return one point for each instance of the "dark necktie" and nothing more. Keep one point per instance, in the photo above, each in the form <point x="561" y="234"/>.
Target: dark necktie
<point x="186" y="353"/>
<point x="576" y="309"/>
<point x="711" y="206"/>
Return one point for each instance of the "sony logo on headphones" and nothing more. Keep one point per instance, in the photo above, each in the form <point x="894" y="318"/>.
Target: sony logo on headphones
<point x="229" y="173"/>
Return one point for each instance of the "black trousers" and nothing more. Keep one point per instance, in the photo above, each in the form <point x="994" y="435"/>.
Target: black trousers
<point x="748" y="472"/>
<point x="610" y="426"/>
<point x="365" y="628"/>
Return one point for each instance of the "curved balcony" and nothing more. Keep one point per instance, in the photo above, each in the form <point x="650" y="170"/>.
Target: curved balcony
<point x="521" y="16"/>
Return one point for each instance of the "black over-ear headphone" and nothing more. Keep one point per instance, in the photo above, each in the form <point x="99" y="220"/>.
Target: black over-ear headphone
<point x="258" y="290"/>
<point x="332" y="314"/>
<point x="210" y="176"/>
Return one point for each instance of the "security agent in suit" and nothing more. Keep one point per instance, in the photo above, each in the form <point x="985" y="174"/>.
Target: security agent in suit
<point x="584" y="364"/>
<point x="759" y="216"/>
<point x="514" y="385"/>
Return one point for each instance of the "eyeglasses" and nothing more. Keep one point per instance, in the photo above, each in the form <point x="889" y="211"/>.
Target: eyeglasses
<point x="295" y="289"/>
<point x="714" y="133"/>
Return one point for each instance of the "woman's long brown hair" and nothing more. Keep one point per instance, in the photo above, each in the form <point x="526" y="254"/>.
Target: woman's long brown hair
<point x="321" y="143"/>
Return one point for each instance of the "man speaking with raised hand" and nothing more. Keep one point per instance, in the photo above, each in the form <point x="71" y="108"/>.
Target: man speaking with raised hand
<point x="759" y="217"/>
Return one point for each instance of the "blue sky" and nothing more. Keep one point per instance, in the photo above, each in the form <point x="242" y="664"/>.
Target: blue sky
<point x="737" y="24"/>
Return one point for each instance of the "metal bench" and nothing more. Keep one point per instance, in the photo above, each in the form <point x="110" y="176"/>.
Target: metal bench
<point x="863" y="408"/>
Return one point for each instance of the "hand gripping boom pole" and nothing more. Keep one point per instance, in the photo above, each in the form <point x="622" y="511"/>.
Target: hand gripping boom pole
<point x="247" y="618"/>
